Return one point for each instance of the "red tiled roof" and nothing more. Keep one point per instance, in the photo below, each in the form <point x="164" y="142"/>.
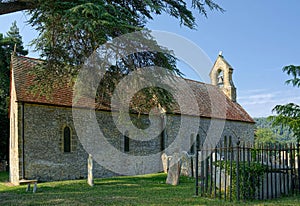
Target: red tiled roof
<point x="212" y="102"/>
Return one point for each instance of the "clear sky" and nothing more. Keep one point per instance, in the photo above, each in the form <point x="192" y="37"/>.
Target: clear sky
<point x="257" y="37"/>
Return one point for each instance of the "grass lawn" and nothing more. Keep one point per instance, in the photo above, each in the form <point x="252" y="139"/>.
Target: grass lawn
<point x="137" y="190"/>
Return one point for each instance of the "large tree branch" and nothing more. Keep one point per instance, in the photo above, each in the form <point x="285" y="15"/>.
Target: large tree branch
<point x="7" y="7"/>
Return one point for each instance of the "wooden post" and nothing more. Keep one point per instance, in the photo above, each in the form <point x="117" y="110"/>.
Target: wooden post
<point x="90" y="171"/>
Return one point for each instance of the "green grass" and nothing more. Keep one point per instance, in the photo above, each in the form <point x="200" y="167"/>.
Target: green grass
<point x="137" y="190"/>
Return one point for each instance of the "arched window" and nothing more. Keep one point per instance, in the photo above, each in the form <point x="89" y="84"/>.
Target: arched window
<point x="192" y="143"/>
<point x="126" y="142"/>
<point x="162" y="140"/>
<point x="198" y="142"/>
<point x="67" y="139"/>
<point x="163" y="134"/>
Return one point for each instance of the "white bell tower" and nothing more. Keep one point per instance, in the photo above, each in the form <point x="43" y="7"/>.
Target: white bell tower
<point x="221" y="76"/>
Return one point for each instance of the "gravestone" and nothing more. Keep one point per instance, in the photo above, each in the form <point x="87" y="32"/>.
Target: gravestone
<point x="186" y="164"/>
<point x="165" y="162"/>
<point x="90" y="171"/>
<point x="174" y="170"/>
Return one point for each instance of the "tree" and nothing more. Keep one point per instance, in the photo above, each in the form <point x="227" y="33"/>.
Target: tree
<point x="7" y="45"/>
<point x="289" y="114"/>
<point x="70" y="31"/>
<point x="278" y="133"/>
<point x="265" y="136"/>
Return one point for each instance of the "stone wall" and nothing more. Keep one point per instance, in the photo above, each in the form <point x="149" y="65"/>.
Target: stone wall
<point x="45" y="159"/>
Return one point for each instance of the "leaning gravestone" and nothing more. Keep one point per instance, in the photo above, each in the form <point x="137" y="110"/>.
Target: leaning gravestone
<point x="174" y="170"/>
<point x="90" y="171"/>
<point x="165" y="162"/>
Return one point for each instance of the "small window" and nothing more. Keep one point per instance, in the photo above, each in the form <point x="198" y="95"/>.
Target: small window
<point x="163" y="135"/>
<point x="126" y="142"/>
<point x="198" y="142"/>
<point x="67" y="139"/>
<point x="162" y="140"/>
<point x="192" y="143"/>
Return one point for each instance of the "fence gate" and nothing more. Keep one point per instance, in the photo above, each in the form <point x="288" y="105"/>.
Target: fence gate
<point x="235" y="171"/>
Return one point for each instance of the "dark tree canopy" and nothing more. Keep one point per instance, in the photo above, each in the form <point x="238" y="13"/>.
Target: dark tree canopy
<point x="7" y="45"/>
<point x="70" y="31"/>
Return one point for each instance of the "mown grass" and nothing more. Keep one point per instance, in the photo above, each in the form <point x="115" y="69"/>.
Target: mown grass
<point x="137" y="190"/>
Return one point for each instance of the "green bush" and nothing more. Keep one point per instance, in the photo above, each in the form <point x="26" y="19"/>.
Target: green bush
<point x="249" y="176"/>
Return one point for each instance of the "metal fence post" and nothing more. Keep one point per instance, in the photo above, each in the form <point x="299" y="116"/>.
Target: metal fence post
<point x="231" y="159"/>
<point x="237" y="171"/>
<point x="298" y="164"/>
<point x="196" y="165"/>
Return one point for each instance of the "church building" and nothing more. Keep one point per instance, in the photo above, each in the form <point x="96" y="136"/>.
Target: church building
<point x="44" y="144"/>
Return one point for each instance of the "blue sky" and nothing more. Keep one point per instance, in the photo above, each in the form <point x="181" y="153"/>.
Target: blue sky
<point x="257" y="37"/>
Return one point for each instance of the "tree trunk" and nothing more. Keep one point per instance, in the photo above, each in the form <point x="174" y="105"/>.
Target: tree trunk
<point x="14" y="6"/>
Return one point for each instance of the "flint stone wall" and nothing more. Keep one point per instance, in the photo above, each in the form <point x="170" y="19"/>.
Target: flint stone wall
<point x="46" y="161"/>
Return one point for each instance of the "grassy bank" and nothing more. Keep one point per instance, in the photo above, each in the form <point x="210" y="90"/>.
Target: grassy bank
<point x="138" y="190"/>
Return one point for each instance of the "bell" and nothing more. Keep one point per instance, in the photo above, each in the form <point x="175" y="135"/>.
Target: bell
<point x="220" y="81"/>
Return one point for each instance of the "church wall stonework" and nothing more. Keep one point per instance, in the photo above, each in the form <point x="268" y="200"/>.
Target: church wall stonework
<point x="45" y="159"/>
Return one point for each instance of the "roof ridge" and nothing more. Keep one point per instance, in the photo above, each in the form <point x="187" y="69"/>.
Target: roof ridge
<point x="26" y="57"/>
<point x="64" y="96"/>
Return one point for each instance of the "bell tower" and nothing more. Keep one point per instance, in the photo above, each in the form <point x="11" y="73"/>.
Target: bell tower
<point x="221" y="76"/>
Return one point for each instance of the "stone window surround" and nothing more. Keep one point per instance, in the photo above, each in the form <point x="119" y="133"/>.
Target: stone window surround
<point x="71" y="139"/>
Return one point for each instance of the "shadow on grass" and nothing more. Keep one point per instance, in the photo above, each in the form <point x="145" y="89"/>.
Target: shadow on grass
<point x="4" y="177"/>
<point x="136" y="190"/>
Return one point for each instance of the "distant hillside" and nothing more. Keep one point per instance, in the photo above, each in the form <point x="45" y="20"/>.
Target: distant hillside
<point x="283" y="134"/>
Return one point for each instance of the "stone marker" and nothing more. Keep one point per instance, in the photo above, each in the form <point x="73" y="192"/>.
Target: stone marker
<point x="90" y="171"/>
<point x="174" y="170"/>
<point x="186" y="164"/>
<point x="165" y="162"/>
